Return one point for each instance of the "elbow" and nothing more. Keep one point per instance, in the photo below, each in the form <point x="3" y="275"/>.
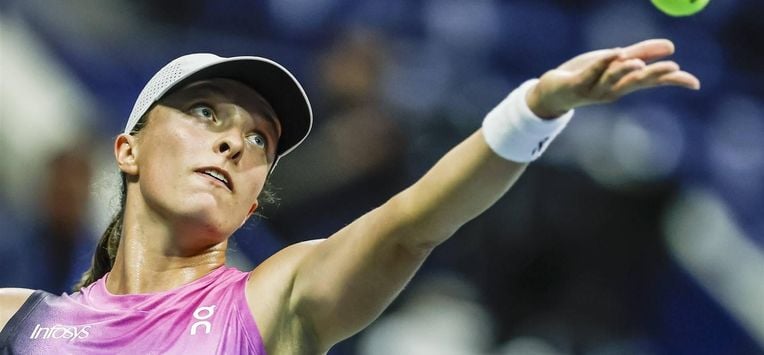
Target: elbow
<point x="421" y="228"/>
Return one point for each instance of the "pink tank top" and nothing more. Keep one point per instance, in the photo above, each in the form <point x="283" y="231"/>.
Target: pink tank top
<point x="207" y="316"/>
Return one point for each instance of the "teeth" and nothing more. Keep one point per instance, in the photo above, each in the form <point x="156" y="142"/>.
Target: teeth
<point x="217" y="175"/>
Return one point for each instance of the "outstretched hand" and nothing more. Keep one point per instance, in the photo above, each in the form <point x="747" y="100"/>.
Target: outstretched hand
<point x="605" y="75"/>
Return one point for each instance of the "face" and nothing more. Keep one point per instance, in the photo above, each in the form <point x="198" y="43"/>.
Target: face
<point x="203" y="157"/>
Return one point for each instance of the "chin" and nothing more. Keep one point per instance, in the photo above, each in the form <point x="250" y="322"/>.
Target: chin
<point x="213" y="221"/>
<point x="207" y="217"/>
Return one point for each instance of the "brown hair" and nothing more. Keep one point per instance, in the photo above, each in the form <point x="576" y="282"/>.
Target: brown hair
<point x="106" y="250"/>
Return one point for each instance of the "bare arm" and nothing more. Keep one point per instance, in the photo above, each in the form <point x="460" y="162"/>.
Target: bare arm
<point x="344" y="282"/>
<point x="11" y="299"/>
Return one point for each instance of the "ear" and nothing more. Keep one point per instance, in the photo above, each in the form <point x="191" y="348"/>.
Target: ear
<point x="125" y="151"/>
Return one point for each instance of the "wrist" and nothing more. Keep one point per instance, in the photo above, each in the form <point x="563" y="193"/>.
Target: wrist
<point x="539" y="108"/>
<point x="514" y="132"/>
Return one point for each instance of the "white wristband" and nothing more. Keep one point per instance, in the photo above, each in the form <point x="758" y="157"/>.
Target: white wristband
<point x="515" y="133"/>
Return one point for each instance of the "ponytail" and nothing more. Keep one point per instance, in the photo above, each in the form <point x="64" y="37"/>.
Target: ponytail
<point x="106" y="250"/>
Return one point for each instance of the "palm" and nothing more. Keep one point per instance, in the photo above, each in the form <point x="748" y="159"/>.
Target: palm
<point x="608" y="74"/>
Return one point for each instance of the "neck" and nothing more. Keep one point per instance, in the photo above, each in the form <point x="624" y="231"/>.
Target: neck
<point x="155" y="256"/>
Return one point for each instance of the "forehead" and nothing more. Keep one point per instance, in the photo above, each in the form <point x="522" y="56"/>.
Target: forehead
<point x="220" y="86"/>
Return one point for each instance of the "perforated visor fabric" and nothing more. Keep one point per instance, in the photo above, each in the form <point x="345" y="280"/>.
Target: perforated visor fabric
<point x="270" y="80"/>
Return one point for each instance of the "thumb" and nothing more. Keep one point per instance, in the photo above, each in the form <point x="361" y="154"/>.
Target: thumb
<point x="599" y="63"/>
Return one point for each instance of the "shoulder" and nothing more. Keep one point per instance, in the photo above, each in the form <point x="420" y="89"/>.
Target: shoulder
<point x="284" y="263"/>
<point x="278" y="271"/>
<point x="269" y="297"/>
<point x="11" y="299"/>
<point x="276" y="274"/>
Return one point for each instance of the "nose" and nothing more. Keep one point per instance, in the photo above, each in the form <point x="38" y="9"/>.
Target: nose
<point x="231" y="145"/>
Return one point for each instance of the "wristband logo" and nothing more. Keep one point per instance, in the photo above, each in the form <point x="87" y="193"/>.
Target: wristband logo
<point x="68" y="332"/>
<point x="540" y="146"/>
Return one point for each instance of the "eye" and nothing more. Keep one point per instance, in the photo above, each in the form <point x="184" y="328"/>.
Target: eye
<point x="204" y="111"/>
<point x="257" y="139"/>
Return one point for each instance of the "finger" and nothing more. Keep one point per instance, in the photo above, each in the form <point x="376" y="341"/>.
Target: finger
<point x="644" y="78"/>
<point x="619" y="69"/>
<point x="649" y="50"/>
<point x="680" y="78"/>
<point x="593" y="71"/>
<point x="582" y="61"/>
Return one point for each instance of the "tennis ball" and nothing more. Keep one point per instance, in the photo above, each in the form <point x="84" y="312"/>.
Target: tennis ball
<point x="680" y="7"/>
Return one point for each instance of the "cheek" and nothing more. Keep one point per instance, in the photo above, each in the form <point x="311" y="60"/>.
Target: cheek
<point x="250" y="189"/>
<point x="254" y="173"/>
<point x="164" y="160"/>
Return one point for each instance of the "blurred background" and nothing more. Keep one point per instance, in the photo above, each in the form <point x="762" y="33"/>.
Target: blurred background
<point x="639" y="232"/>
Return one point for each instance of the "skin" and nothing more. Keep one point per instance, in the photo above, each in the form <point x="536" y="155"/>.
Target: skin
<point x="323" y="291"/>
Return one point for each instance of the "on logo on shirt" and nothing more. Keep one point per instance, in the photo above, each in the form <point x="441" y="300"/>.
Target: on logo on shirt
<point x="201" y="314"/>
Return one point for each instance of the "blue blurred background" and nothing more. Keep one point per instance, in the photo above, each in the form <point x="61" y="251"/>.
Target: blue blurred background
<point x="639" y="232"/>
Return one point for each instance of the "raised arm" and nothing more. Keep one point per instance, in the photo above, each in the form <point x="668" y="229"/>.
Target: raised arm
<point x="11" y="299"/>
<point x="344" y="282"/>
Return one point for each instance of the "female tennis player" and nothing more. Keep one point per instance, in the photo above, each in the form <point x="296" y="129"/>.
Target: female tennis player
<point x="198" y="147"/>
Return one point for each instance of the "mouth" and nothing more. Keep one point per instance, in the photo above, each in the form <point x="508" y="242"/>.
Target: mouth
<point x="219" y="175"/>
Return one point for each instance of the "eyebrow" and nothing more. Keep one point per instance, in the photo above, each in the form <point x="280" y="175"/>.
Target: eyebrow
<point x="207" y="86"/>
<point x="214" y="89"/>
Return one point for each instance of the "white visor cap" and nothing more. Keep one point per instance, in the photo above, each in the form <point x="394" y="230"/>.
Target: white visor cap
<point x="271" y="80"/>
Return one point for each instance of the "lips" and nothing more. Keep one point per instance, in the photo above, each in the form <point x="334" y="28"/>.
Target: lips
<point x="218" y="174"/>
